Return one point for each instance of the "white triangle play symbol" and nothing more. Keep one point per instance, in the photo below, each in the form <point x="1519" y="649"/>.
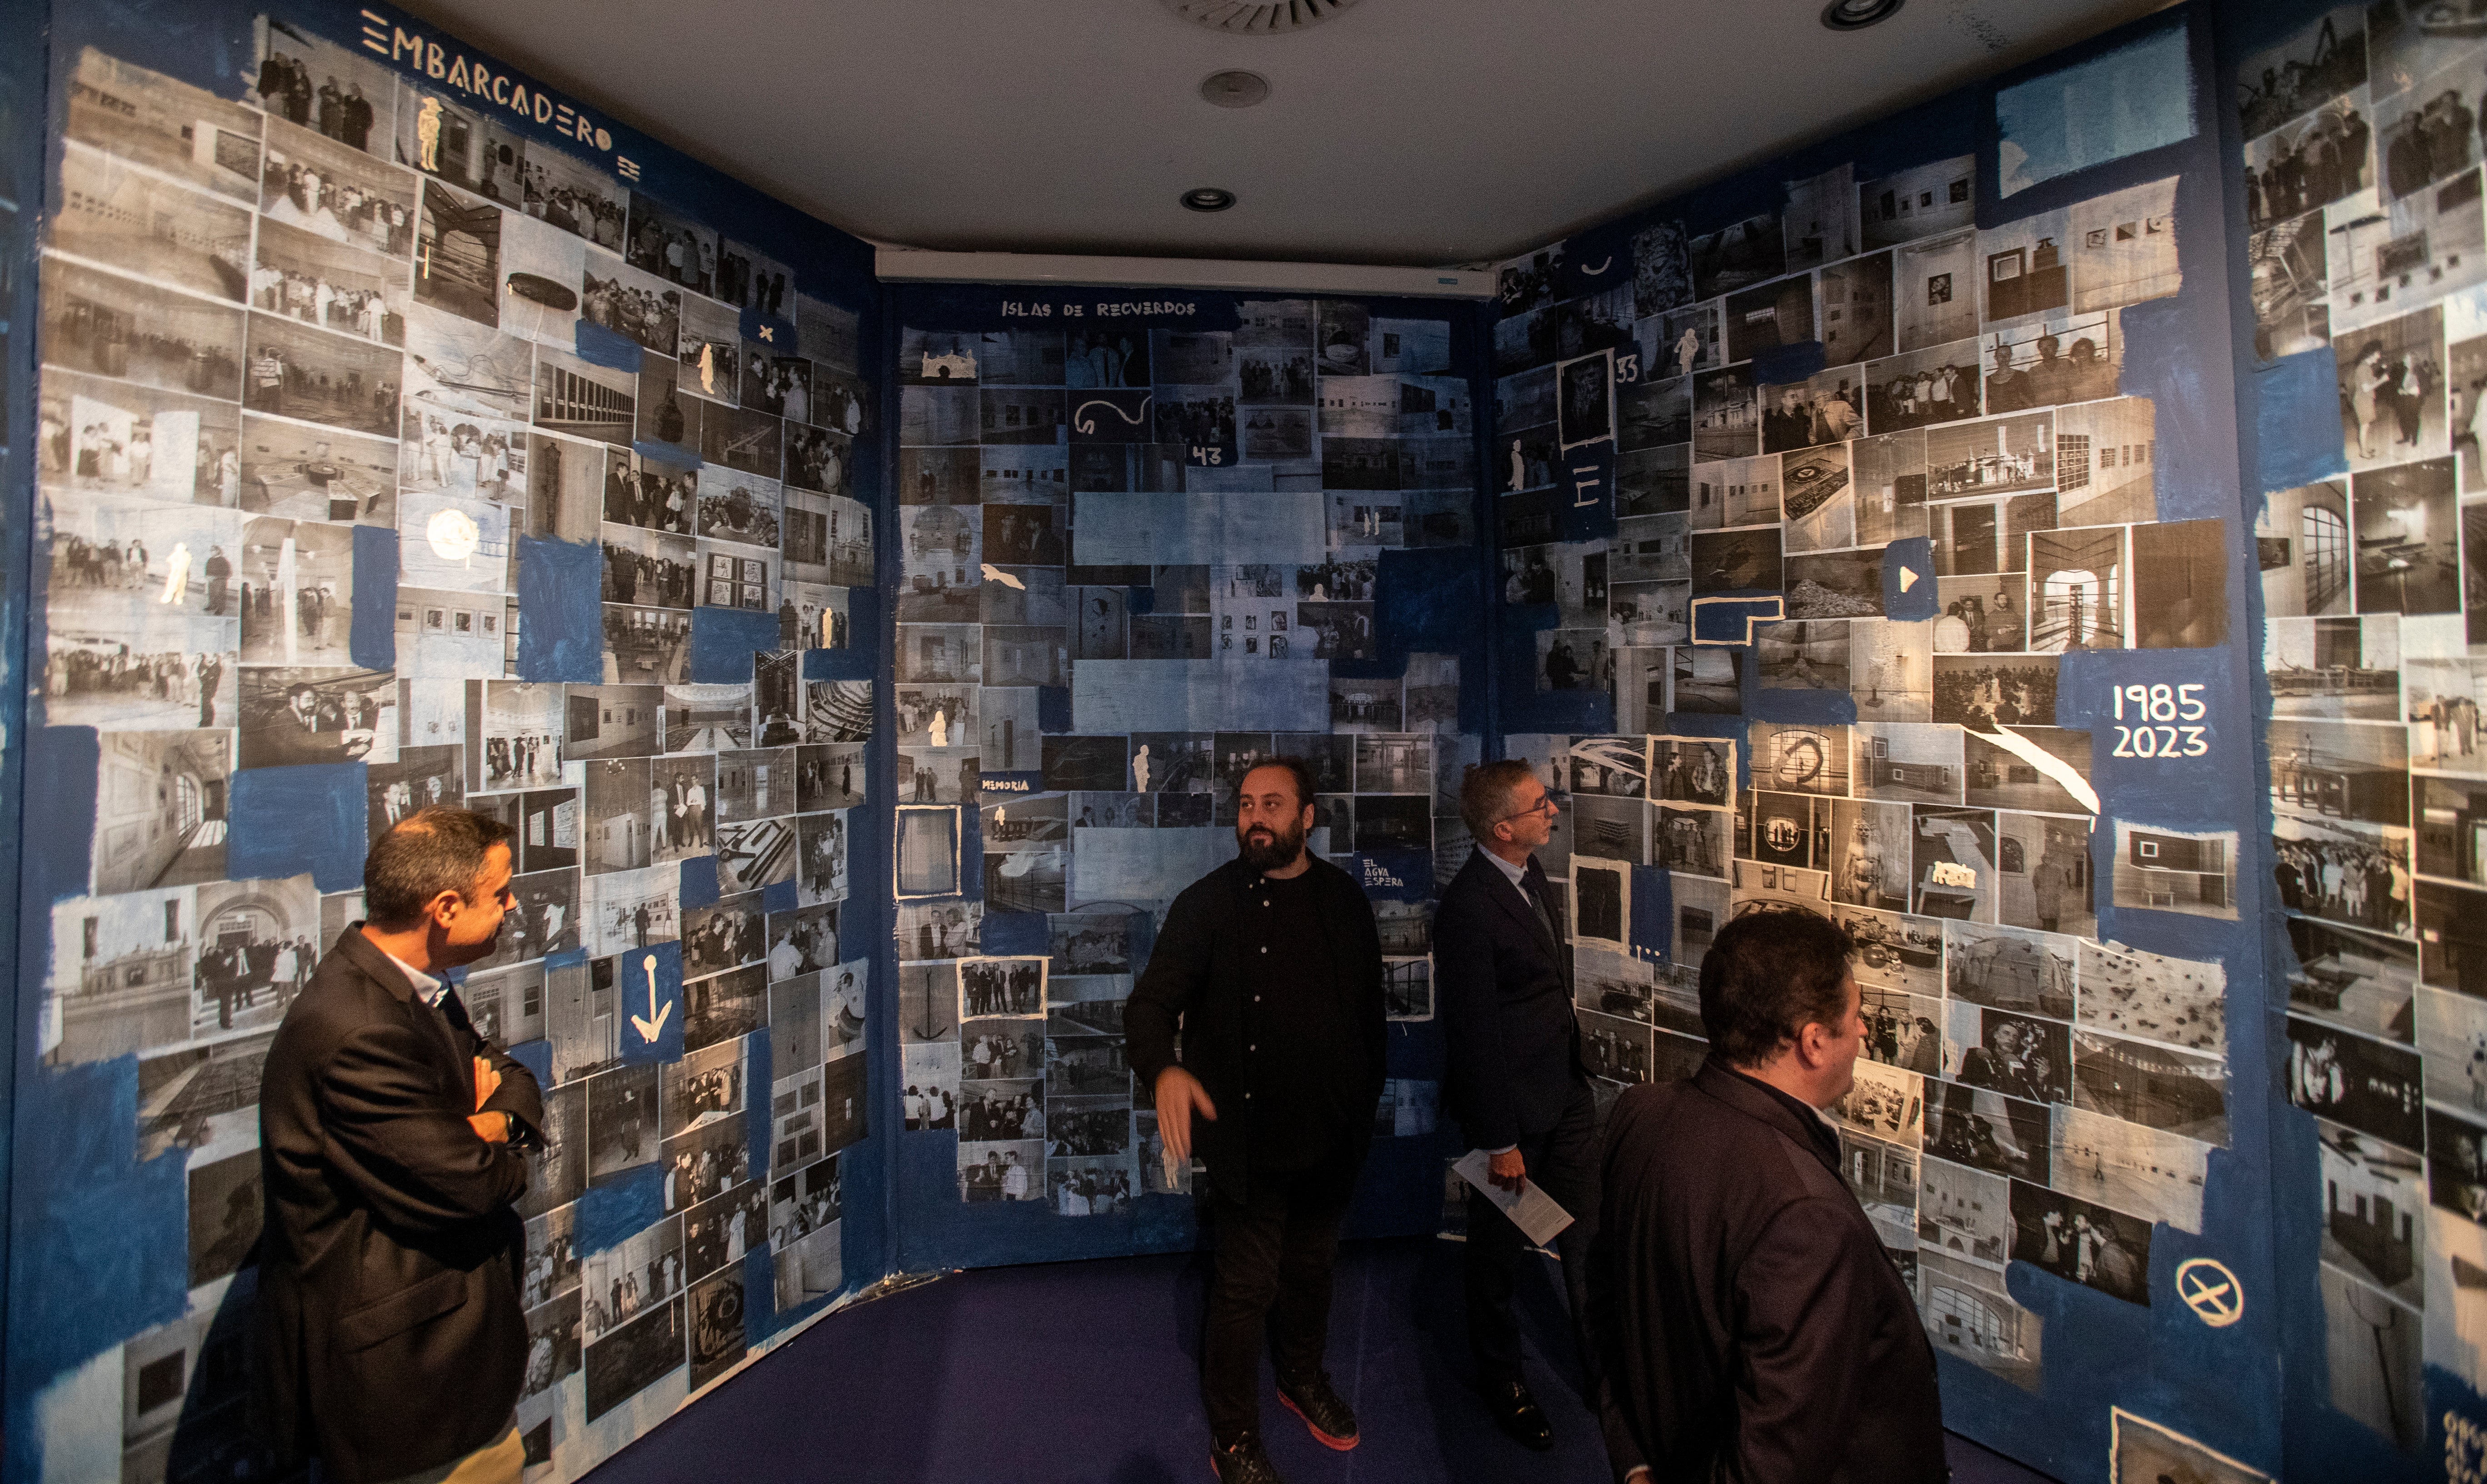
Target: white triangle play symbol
<point x="1907" y="578"/>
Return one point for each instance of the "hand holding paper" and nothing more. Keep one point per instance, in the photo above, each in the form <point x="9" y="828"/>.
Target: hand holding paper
<point x="1530" y="1209"/>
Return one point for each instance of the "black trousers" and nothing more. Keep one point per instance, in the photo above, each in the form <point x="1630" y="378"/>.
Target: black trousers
<point x="1275" y="1250"/>
<point x="1563" y="1160"/>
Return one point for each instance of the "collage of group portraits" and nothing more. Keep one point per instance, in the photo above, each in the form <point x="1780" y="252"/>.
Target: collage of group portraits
<point x="2361" y="183"/>
<point x="1186" y="531"/>
<point x="1783" y="397"/>
<point x="335" y="301"/>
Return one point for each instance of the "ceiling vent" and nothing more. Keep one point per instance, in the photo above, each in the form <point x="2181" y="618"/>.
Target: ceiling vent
<point x="1257" y="17"/>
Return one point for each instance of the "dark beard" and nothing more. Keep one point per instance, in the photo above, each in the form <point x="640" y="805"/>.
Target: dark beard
<point x="1277" y="854"/>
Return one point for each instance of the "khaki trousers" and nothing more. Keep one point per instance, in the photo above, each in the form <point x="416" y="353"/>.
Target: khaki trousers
<point x="494" y="1463"/>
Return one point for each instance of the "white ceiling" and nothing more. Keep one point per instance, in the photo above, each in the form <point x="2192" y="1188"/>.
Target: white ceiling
<point x="1408" y="132"/>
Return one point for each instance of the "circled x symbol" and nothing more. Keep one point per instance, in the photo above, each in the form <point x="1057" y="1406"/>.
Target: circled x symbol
<point x="2211" y="1291"/>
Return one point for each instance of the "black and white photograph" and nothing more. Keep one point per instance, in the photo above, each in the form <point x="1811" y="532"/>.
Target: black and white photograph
<point x="128" y="330"/>
<point x="1987" y="1130"/>
<point x="169" y="673"/>
<point x="622" y="1127"/>
<point x="2370" y="1085"/>
<point x="2088" y="1244"/>
<point x="2407" y="535"/>
<point x="122" y="217"/>
<point x="1001" y="987"/>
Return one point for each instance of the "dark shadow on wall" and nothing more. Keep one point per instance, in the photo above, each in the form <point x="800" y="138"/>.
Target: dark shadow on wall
<point x="204" y="1360"/>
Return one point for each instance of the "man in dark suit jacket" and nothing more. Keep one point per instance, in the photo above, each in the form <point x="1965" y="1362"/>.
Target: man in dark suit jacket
<point x="391" y="1337"/>
<point x="1754" y="1327"/>
<point x="1271" y="966"/>
<point x="1503" y="970"/>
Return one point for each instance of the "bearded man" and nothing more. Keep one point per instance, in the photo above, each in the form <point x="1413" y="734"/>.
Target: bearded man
<point x="1270" y="968"/>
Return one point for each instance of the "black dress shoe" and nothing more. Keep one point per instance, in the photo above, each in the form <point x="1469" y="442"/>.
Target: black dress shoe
<point x="1327" y="1415"/>
<point x="1245" y="1462"/>
<point x="1517" y="1413"/>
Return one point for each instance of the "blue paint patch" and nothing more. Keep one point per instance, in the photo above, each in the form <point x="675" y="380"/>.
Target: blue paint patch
<point x="2196" y="441"/>
<point x="1141" y="602"/>
<point x="620" y="1207"/>
<point x="677" y="458"/>
<point x="1818" y="708"/>
<point x="770" y="332"/>
<point x="559" y="585"/>
<point x="759" y="1133"/>
<point x="1391" y="875"/>
<point x="1053" y="709"/>
<point x="839" y="664"/>
<point x="1728" y="617"/>
<point x="1428" y="601"/>
<point x="61" y="766"/>
<point x="2208" y="791"/>
<point x="1781" y="365"/>
<point x="779" y="897"/>
<point x="1587" y="488"/>
<point x="1915" y="554"/>
<point x="1653" y="912"/>
<point x="566" y="959"/>
<point x="723" y="641"/>
<point x="635" y="1001"/>
<point x="100" y="1243"/>
<point x="371" y="641"/>
<point x="598" y="345"/>
<point x="2297" y="422"/>
<point x="536" y="1056"/>
<point x="285" y="821"/>
<point x="2138" y="96"/>
<point x="1015" y="932"/>
<point x="699" y="887"/>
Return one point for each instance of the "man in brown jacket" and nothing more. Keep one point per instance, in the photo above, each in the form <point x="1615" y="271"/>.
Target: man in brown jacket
<point x="391" y="1339"/>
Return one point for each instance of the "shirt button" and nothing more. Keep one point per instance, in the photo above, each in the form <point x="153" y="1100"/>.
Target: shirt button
<point x="1253" y="1047"/>
<point x="1256" y="999"/>
<point x="1265" y="948"/>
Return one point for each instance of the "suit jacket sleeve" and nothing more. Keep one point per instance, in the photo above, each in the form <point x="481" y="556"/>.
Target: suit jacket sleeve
<point x="1471" y="1021"/>
<point x="1807" y="1296"/>
<point x="402" y="1139"/>
<point x="1176" y="970"/>
<point x="518" y="1095"/>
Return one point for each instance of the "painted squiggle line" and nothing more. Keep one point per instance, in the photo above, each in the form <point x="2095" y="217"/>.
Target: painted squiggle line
<point x="1088" y="424"/>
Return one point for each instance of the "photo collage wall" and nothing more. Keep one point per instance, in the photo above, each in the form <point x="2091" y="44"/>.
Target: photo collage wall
<point x="1828" y="499"/>
<point x="2360" y="180"/>
<point x="1134" y="562"/>
<point x="338" y="363"/>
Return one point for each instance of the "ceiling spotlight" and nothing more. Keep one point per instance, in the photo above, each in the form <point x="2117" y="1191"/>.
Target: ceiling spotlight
<point x="1857" y="14"/>
<point x="1207" y="197"/>
<point x="1235" y="88"/>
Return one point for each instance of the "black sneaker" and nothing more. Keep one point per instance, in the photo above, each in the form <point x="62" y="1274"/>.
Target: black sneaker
<point x="1326" y="1413"/>
<point x="1242" y="1464"/>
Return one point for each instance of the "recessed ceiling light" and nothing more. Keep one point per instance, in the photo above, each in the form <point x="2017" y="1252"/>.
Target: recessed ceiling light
<point x="1207" y="197"/>
<point x="1235" y="88"/>
<point x="1857" y="14"/>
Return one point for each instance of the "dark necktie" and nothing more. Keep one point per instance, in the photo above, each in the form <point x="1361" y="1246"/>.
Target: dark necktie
<point x="1541" y="895"/>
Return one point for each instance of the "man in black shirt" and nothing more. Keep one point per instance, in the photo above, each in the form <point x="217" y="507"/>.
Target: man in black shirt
<point x="1271" y="966"/>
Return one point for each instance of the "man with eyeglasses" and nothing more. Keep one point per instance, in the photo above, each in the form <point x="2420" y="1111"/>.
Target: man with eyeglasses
<point x="392" y="1344"/>
<point x="1502" y="968"/>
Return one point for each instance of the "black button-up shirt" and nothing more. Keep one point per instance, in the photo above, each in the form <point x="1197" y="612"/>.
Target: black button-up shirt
<point x="1298" y="1085"/>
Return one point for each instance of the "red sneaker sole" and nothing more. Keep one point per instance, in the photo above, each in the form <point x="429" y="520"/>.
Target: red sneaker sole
<point x="1336" y="1444"/>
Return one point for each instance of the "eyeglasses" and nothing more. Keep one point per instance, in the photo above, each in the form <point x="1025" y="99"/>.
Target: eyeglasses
<point x="1545" y="805"/>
